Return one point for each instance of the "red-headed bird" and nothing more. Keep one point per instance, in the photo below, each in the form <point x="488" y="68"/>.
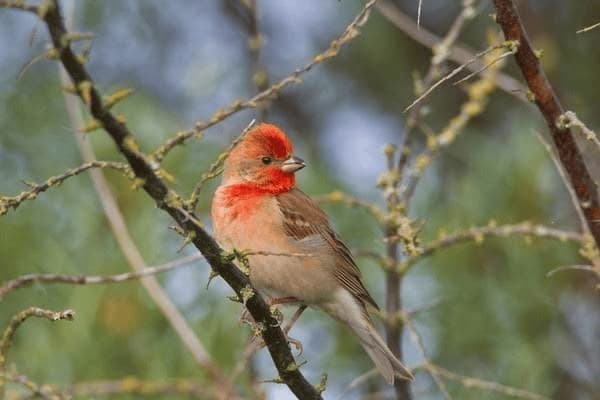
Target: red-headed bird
<point x="258" y="208"/>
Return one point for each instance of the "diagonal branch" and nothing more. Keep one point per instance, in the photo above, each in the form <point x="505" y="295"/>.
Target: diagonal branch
<point x="171" y="203"/>
<point x="548" y="104"/>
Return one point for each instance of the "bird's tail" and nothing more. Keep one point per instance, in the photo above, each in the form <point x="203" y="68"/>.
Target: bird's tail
<point x="352" y="312"/>
<point x="387" y="364"/>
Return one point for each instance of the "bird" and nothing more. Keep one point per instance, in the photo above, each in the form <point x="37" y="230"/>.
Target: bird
<point x="257" y="208"/>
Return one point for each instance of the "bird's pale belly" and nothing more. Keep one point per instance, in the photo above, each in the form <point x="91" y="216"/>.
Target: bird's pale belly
<point x="287" y="269"/>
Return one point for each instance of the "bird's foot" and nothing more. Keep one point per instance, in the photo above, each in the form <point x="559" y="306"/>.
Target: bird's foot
<point x="295" y="342"/>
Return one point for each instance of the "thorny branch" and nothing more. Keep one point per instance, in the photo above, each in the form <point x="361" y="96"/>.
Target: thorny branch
<point x="120" y="231"/>
<point x="36" y="188"/>
<point x="170" y="202"/>
<point x="29" y="279"/>
<point x="478" y="235"/>
<point x="351" y="32"/>
<point x="548" y="104"/>
<point x="15" y="323"/>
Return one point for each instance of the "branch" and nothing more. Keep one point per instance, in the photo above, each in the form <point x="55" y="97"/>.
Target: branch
<point x="418" y="341"/>
<point x="478" y="234"/>
<point x="457" y="53"/>
<point x="490" y="386"/>
<point x="13" y="202"/>
<point x="171" y="203"/>
<point x="508" y="44"/>
<point x="189" y="387"/>
<point x="15" y="323"/>
<point x="569" y="119"/>
<point x="351" y="32"/>
<point x="352" y="202"/>
<point x="124" y="240"/>
<point x="588" y="28"/>
<point x="478" y="93"/>
<point x="551" y="109"/>
<point x="29" y="279"/>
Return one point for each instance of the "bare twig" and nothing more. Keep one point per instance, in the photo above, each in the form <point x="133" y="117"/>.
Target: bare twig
<point x="457" y="53"/>
<point x="548" y="104"/>
<point x="188" y="387"/>
<point x="29" y="279"/>
<point x="572" y="267"/>
<point x="20" y="5"/>
<point x="441" y="51"/>
<point x="489" y="64"/>
<point x="489" y="386"/>
<point x="455" y="71"/>
<point x="565" y="180"/>
<point x="15" y="323"/>
<point x="478" y="93"/>
<point x="418" y="341"/>
<point x="478" y="234"/>
<point x="588" y="28"/>
<point x="352" y="202"/>
<point x="36" y="188"/>
<point x="46" y="392"/>
<point x="351" y="32"/>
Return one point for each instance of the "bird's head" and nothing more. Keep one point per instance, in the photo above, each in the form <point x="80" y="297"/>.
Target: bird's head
<point x="263" y="159"/>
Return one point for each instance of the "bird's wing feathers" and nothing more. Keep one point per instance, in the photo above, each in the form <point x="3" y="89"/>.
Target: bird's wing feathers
<point x="303" y="219"/>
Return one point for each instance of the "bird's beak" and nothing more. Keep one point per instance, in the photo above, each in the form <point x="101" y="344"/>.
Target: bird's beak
<point x="293" y="164"/>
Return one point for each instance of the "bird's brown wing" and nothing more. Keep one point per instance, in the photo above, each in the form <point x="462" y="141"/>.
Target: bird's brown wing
<point x="303" y="218"/>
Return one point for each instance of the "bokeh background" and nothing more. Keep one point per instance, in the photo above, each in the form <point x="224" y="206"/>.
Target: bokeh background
<point x="490" y="311"/>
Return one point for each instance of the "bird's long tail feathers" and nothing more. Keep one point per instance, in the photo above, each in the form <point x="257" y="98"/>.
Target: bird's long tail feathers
<point x="351" y="311"/>
<point x="387" y="364"/>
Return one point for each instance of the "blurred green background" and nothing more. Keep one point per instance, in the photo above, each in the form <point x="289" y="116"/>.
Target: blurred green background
<point x="494" y="314"/>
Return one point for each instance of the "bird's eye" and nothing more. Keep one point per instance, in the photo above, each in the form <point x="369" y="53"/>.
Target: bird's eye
<point x="266" y="160"/>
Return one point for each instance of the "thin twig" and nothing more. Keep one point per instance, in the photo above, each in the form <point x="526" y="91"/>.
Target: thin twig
<point x="563" y="176"/>
<point x="351" y="32"/>
<point x="188" y="387"/>
<point x="589" y="28"/>
<point x="352" y="202"/>
<point x="20" y="5"/>
<point x="457" y="52"/>
<point x="494" y="61"/>
<point x="478" y="235"/>
<point x="13" y="202"/>
<point x="490" y="386"/>
<point x="453" y="73"/>
<point x="15" y="323"/>
<point x="571" y="267"/>
<point x="29" y="279"/>
<point x="418" y="341"/>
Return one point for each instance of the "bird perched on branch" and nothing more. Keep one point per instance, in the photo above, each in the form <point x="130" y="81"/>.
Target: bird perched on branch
<point x="257" y="208"/>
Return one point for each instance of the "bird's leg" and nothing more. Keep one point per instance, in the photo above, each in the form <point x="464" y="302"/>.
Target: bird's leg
<point x="297" y="344"/>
